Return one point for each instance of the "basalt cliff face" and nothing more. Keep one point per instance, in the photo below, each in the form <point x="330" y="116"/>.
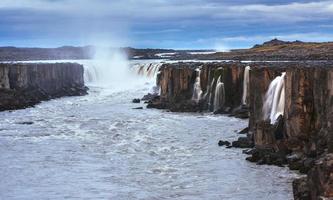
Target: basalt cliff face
<point x="299" y="131"/>
<point x="24" y="85"/>
<point x="177" y="86"/>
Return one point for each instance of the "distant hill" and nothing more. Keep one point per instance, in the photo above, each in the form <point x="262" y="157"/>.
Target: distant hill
<point x="87" y="52"/>
<point x="23" y="54"/>
<point x="275" y="49"/>
<point x="278" y="50"/>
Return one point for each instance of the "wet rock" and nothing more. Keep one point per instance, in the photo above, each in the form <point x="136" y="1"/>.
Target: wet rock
<point x="244" y="131"/>
<point x="26" y="123"/>
<point x="307" y="164"/>
<point x="243" y="142"/>
<point x="295" y="161"/>
<point x="136" y="101"/>
<point x="149" y="97"/>
<point x="301" y="189"/>
<point x="320" y="178"/>
<point x="267" y="156"/>
<point x="224" y="143"/>
<point x="241" y="112"/>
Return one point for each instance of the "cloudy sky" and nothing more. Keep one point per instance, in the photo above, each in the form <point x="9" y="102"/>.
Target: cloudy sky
<point x="196" y="24"/>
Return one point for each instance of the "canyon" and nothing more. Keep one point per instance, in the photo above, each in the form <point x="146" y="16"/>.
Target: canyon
<point x="289" y="105"/>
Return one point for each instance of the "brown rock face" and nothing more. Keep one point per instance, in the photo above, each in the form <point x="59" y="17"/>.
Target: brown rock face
<point x="24" y="85"/>
<point x="306" y="126"/>
<point x="177" y="85"/>
<point x="260" y="78"/>
<point x="320" y="178"/>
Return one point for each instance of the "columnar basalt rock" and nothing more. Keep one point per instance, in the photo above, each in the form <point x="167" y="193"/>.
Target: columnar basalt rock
<point x="301" y="137"/>
<point x="304" y="130"/>
<point x="177" y="83"/>
<point x="24" y="85"/>
<point x="260" y="78"/>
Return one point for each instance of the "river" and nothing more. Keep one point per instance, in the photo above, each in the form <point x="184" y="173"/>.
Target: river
<point x="98" y="147"/>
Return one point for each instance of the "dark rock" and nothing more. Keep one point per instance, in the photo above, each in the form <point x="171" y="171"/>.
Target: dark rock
<point x="295" y="161"/>
<point x="136" y="101"/>
<point x="266" y="156"/>
<point x="307" y="164"/>
<point x="27" y="84"/>
<point x="138" y="108"/>
<point x="149" y="97"/>
<point x="243" y="142"/>
<point x="320" y="178"/>
<point x="224" y="143"/>
<point x="26" y="123"/>
<point x="301" y="189"/>
<point x="244" y="131"/>
<point x="241" y="112"/>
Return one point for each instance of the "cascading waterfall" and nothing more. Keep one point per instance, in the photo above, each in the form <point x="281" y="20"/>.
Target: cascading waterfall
<point x="210" y="92"/>
<point x="275" y="99"/>
<point x="246" y="84"/>
<point x="147" y="69"/>
<point x="219" y="98"/>
<point x="197" y="92"/>
<point x="109" y="67"/>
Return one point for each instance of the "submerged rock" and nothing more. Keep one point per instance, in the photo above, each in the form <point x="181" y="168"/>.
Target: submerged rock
<point x="136" y="101"/>
<point x="224" y="143"/>
<point x="26" y="123"/>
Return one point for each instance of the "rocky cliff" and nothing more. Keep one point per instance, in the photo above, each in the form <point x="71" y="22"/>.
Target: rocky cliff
<point x="300" y="135"/>
<point x="24" y="85"/>
<point x="177" y="86"/>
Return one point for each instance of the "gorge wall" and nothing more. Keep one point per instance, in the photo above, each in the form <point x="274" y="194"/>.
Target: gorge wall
<point x="24" y="85"/>
<point x="302" y="135"/>
<point x="176" y="82"/>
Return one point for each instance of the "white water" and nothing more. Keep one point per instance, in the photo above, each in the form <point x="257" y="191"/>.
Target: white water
<point x="219" y="98"/>
<point x="197" y="92"/>
<point x="275" y="99"/>
<point x="149" y="69"/>
<point x="246" y="84"/>
<point x="211" y="92"/>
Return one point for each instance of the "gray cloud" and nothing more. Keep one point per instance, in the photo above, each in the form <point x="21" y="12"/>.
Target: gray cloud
<point x="156" y="20"/>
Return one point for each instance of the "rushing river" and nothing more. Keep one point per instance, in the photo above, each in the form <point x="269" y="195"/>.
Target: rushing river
<point x="99" y="147"/>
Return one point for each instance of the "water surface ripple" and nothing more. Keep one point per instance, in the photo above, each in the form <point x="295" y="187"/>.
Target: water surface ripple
<point x="98" y="147"/>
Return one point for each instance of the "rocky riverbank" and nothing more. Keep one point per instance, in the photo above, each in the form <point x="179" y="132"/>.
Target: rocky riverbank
<point x="289" y="105"/>
<point x="25" y="85"/>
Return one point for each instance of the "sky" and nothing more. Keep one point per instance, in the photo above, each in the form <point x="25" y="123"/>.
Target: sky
<point x="177" y="24"/>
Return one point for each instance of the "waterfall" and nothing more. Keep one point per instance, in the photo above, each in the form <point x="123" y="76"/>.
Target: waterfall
<point x="275" y="99"/>
<point x="197" y="92"/>
<point x="109" y="67"/>
<point x="219" y="98"/>
<point x="147" y="69"/>
<point x="246" y="84"/>
<point x="111" y="70"/>
<point x="210" y="92"/>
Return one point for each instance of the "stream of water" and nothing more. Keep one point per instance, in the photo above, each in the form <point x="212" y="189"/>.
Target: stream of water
<point x="99" y="147"/>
